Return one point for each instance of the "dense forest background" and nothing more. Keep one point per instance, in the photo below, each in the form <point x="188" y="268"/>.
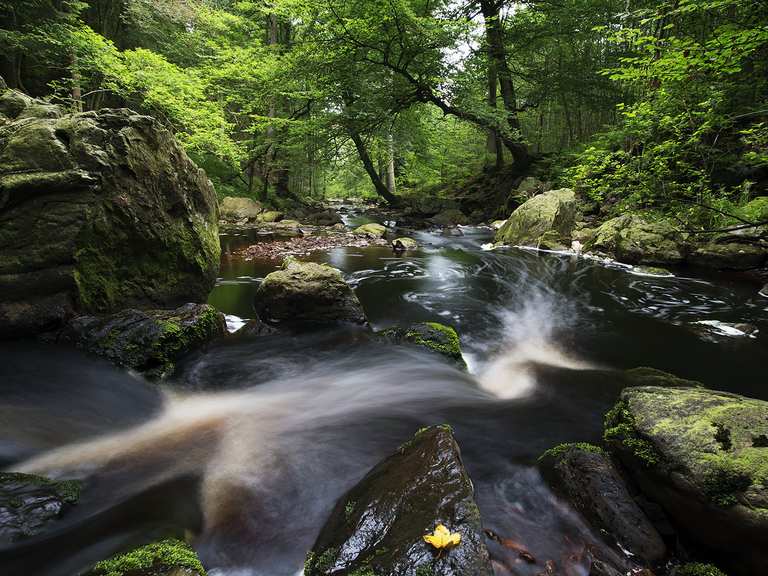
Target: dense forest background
<point x="652" y="104"/>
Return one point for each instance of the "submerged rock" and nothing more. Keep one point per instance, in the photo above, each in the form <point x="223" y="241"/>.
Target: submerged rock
<point x="306" y="293"/>
<point x="548" y="217"/>
<point x="432" y="336"/>
<point x="729" y="256"/>
<point x="149" y="341"/>
<point x="169" y="557"/>
<point x="587" y="478"/>
<point x="702" y="455"/>
<point x="638" y="240"/>
<point x="98" y="211"/>
<point x="235" y="208"/>
<point x="29" y="503"/>
<point x="371" y="230"/>
<point x="378" y="527"/>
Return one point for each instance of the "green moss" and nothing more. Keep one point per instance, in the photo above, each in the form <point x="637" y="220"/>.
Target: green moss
<point x="349" y="510"/>
<point x="364" y="570"/>
<point x="725" y="480"/>
<point x="425" y="570"/>
<point x="67" y="490"/>
<point x="561" y="449"/>
<point x="152" y="558"/>
<point x="699" y="569"/>
<point x="620" y="427"/>
<point x="320" y="564"/>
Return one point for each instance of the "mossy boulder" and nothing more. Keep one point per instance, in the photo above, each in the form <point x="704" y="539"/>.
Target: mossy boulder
<point x="378" y="527"/>
<point x="432" y="336"/>
<point x="729" y="255"/>
<point x="270" y="216"/>
<point x="234" y="208"/>
<point x="550" y="216"/>
<point x="702" y="455"/>
<point x="29" y="504"/>
<point x="639" y="240"/>
<point x="371" y="230"/>
<point x="450" y="217"/>
<point x="697" y="569"/>
<point x="149" y="341"/>
<point x="585" y="476"/>
<point x="402" y="244"/>
<point x="307" y="293"/>
<point x="99" y="211"/>
<point x="169" y="557"/>
<point x="326" y="217"/>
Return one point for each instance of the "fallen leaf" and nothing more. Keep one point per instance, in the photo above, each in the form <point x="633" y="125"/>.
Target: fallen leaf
<point x="443" y="538"/>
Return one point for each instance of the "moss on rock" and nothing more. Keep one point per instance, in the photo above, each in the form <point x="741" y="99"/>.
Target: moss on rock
<point x="432" y="336"/>
<point x="699" y="569"/>
<point x="548" y="217"/>
<point x="371" y="230"/>
<point x="157" y="559"/>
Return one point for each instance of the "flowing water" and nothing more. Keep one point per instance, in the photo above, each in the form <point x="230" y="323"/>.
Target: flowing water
<point x="255" y="439"/>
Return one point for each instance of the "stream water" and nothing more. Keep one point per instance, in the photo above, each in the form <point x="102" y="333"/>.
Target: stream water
<point x="256" y="438"/>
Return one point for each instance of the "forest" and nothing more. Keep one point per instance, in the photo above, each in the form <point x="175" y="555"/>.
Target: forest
<point x="383" y="287"/>
<point x="657" y="105"/>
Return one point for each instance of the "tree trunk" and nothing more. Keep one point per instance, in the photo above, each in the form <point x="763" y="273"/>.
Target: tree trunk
<point x="493" y="146"/>
<point x="381" y="188"/>
<point x="391" y="163"/>
<point x="497" y="53"/>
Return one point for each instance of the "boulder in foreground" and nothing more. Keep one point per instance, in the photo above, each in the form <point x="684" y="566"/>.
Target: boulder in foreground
<point x="702" y="455"/>
<point x="545" y="221"/>
<point x="99" y="211"/>
<point x="378" y="527"/>
<point x="307" y="293"/>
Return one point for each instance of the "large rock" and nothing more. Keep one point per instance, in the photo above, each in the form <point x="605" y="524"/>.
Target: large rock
<point x="703" y="456"/>
<point x="588" y="479"/>
<point x="306" y="293"/>
<point x="371" y="230"/>
<point x="547" y="218"/>
<point x="638" y="240"/>
<point x="729" y="255"/>
<point x="98" y="211"/>
<point x="149" y="341"/>
<point x="169" y="557"/>
<point x="236" y="209"/>
<point x="378" y="527"/>
<point x="431" y="336"/>
<point x="29" y="503"/>
<point x="326" y="217"/>
<point x="450" y="217"/>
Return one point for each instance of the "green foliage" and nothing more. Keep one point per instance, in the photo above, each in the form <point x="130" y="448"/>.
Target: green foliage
<point x="697" y="132"/>
<point x="699" y="569"/>
<point x="619" y="428"/>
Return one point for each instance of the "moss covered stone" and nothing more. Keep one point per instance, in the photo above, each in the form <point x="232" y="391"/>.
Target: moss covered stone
<point x="700" y="454"/>
<point x="550" y="216"/>
<point x="561" y="449"/>
<point x="104" y="211"/>
<point x="639" y="240"/>
<point x="149" y="341"/>
<point x="163" y="558"/>
<point x="699" y="569"/>
<point x="433" y="336"/>
<point x="371" y="230"/>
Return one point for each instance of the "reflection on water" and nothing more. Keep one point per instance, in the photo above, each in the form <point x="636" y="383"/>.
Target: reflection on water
<point x="262" y="435"/>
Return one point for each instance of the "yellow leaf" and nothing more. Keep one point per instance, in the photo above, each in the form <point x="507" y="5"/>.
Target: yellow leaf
<point x="442" y="538"/>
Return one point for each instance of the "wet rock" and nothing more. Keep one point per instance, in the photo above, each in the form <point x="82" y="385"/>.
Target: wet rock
<point x="587" y="478"/>
<point x="702" y="455"/>
<point x="717" y="331"/>
<point x="403" y="244"/>
<point x="149" y="341"/>
<point x="697" y="569"/>
<point x="98" y="211"/>
<point x="327" y="217"/>
<point x="270" y="216"/>
<point x="553" y="212"/>
<point x="432" y="336"/>
<point x="29" y="503"/>
<point x="450" y="217"/>
<point x="165" y="558"/>
<point x="371" y="230"/>
<point x="378" y="527"/>
<point x="306" y="293"/>
<point x="729" y="256"/>
<point x="637" y="240"/>
<point x="764" y="291"/>
<point x="497" y="224"/>
<point x="652" y="271"/>
<point x="235" y="208"/>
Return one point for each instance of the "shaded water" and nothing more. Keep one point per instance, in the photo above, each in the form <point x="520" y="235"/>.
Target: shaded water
<point x="261" y="436"/>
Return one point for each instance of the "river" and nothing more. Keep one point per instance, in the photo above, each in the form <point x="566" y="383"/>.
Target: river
<point x="254" y="439"/>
